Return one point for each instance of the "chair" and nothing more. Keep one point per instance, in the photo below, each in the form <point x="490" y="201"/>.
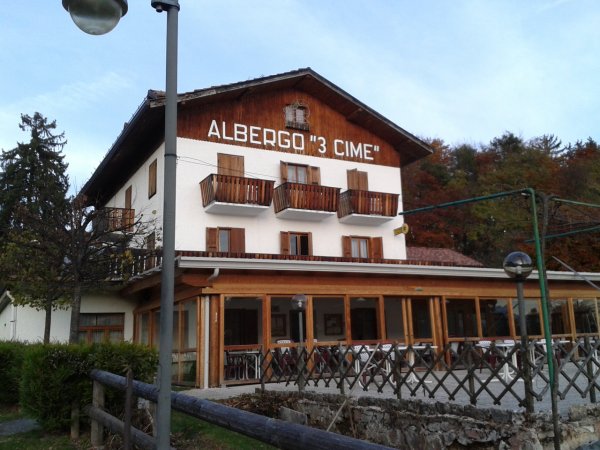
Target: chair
<point x="487" y="354"/>
<point x="284" y="355"/>
<point x="235" y="366"/>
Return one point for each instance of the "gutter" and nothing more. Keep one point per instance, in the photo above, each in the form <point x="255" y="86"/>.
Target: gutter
<point x="190" y="262"/>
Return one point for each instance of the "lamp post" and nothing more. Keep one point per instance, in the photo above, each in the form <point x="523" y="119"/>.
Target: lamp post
<point x="99" y="17"/>
<point x="518" y="265"/>
<point x="299" y="303"/>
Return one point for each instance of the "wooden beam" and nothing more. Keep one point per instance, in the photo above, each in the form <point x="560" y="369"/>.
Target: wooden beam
<point x="196" y="280"/>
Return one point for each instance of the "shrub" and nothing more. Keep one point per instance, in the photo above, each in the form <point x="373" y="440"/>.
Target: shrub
<point x="56" y="376"/>
<point x="11" y="362"/>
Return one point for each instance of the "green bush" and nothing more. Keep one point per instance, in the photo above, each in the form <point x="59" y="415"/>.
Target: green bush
<point x="57" y="376"/>
<point x="11" y="362"/>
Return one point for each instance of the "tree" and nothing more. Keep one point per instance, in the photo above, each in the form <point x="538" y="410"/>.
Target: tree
<point x="99" y="249"/>
<point x="55" y="248"/>
<point x="34" y="187"/>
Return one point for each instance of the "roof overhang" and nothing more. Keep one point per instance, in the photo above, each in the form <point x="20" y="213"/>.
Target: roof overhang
<point x="187" y="262"/>
<point x="5" y="300"/>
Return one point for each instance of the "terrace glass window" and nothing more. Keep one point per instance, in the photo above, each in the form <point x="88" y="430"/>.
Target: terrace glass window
<point x="461" y="317"/>
<point x="494" y="317"/>
<point x="586" y="315"/>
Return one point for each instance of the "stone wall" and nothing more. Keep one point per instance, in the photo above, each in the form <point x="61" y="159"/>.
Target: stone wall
<point x="413" y="424"/>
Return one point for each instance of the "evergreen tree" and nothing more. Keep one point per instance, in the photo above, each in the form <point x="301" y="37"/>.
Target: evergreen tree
<point x="34" y="189"/>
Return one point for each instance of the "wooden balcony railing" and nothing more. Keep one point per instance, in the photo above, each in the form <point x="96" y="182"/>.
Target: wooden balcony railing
<point x="306" y="196"/>
<point x="368" y="203"/>
<point x="116" y="219"/>
<point x="240" y="190"/>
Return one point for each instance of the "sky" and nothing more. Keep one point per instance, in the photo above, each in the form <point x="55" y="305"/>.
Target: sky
<point x="464" y="71"/>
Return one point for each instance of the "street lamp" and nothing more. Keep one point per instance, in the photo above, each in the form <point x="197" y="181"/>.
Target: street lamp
<point x="518" y="265"/>
<point x="99" y="17"/>
<point x="96" y="17"/>
<point x="299" y="303"/>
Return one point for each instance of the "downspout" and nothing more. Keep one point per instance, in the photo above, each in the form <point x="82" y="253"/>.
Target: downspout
<point x="214" y="275"/>
<point x="13" y="320"/>
<point x="206" y="337"/>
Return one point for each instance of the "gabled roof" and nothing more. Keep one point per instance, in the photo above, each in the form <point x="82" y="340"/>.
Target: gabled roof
<point x="145" y="131"/>
<point x="438" y="255"/>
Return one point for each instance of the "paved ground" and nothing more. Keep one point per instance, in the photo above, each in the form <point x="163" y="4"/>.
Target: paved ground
<point x="18" y="426"/>
<point x="485" y="399"/>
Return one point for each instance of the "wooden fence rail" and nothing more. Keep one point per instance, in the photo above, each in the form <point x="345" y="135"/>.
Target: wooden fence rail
<point x="275" y="432"/>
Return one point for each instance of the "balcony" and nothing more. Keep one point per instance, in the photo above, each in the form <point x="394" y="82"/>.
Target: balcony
<point x="238" y="196"/>
<point x="367" y="207"/>
<point x="115" y="219"/>
<point x="311" y="202"/>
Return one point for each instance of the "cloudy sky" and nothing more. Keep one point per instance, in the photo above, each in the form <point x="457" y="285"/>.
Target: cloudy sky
<point x="460" y="70"/>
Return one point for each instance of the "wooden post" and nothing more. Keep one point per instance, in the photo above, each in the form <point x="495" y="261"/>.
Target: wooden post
<point x="127" y="418"/>
<point x="341" y="357"/>
<point x="97" y="431"/>
<point x="75" y="419"/>
<point x="397" y="371"/>
<point x="470" y="369"/>
<point x="590" y="367"/>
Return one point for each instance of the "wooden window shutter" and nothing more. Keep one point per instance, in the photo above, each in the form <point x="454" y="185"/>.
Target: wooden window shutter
<point x="128" y="198"/>
<point x="310" y="249"/>
<point x="358" y="180"/>
<point x="314" y="175"/>
<point x="238" y="240"/>
<point x="212" y="239"/>
<point x="376" y="248"/>
<point x="152" y="178"/>
<point x="284" y="238"/>
<point x="284" y="172"/>
<point x="232" y="165"/>
<point x="151" y="241"/>
<point x="346" y="247"/>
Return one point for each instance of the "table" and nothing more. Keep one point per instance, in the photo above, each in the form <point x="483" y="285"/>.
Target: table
<point x="507" y="374"/>
<point x="367" y="359"/>
<point x="412" y="378"/>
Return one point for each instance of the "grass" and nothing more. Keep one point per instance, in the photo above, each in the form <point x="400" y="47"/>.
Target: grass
<point x="189" y="434"/>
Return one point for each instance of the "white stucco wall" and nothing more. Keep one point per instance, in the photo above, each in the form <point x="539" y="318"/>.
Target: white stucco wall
<point x="30" y="322"/>
<point x="198" y="159"/>
<point x="6" y="323"/>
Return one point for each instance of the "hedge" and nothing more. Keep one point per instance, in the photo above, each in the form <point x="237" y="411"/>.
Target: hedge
<point x="11" y="362"/>
<point x="54" y="377"/>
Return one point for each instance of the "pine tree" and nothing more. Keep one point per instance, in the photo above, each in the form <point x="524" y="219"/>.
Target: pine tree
<point x="34" y="191"/>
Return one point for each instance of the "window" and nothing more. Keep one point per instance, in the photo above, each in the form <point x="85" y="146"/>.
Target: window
<point x="224" y="238"/>
<point x="152" y="178"/>
<point x="229" y="240"/>
<point x="362" y="247"/>
<point x="298" y="173"/>
<point x="359" y="247"/>
<point x="296" y="116"/>
<point x="295" y="243"/>
<point x="101" y="327"/>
